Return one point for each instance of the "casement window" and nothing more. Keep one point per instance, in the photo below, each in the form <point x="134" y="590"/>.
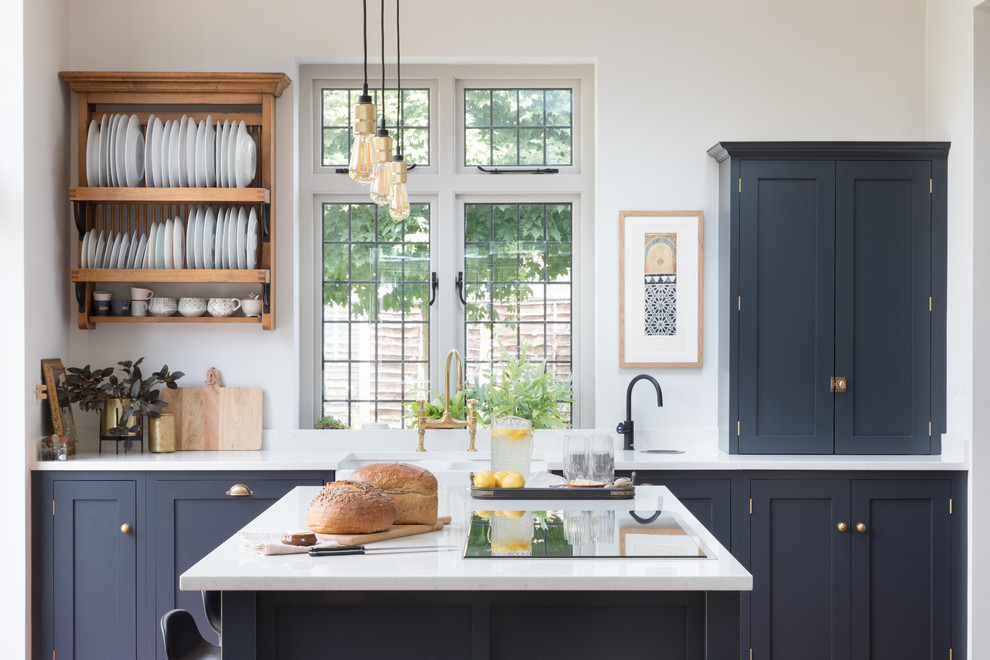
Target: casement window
<point x="487" y="263"/>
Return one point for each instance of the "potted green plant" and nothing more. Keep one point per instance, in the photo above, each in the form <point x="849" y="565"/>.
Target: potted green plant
<point x="122" y="402"/>
<point x="330" y="422"/>
<point x="525" y="389"/>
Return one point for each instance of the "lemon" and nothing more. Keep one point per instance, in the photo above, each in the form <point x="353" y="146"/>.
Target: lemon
<point x="513" y="480"/>
<point x="485" y="479"/>
<point x="512" y="514"/>
<point x="484" y="514"/>
<point x="499" y="476"/>
<point x="511" y="434"/>
<point x="514" y="546"/>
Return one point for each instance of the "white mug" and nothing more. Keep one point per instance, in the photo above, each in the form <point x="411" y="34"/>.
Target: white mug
<point x="139" y="307"/>
<point x="137" y="293"/>
<point x="221" y="307"/>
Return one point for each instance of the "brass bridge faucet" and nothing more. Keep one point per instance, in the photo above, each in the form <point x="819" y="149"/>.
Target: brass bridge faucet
<point x="448" y="421"/>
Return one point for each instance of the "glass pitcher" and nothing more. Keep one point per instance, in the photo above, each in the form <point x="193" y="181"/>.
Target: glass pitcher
<point x="512" y="445"/>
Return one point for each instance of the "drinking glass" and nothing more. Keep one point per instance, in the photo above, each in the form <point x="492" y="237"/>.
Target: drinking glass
<point x="602" y="458"/>
<point x="511" y="534"/>
<point x="512" y="445"/>
<point x="577" y="457"/>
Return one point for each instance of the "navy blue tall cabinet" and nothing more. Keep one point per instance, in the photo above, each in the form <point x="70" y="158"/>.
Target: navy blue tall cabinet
<point x="833" y="270"/>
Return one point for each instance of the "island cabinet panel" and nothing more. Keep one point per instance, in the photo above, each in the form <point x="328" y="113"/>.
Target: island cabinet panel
<point x="709" y="500"/>
<point x="835" y="294"/>
<point x="192" y="516"/>
<point x="95" y="564"/>
<point x="901" y="568"/>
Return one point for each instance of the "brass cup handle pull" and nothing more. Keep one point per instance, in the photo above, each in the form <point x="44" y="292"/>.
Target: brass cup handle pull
<point x="125" y="528"/>
<point x="860" y="527"/>
<point x="240" y="490"/>
<point x="842" y="527"/>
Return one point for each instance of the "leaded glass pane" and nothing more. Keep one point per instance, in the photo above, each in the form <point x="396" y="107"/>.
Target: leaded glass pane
<point x="337" y="130"/>
<point x="526" y="127"/>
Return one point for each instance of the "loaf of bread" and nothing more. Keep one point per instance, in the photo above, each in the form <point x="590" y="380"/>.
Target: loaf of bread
<point x="350" y="507"/>
<point x="412" y="489"/>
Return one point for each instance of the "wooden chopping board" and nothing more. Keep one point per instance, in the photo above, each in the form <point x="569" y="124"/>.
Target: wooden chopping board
<point x="215" y="417"/>
<point x="393" y="532"/>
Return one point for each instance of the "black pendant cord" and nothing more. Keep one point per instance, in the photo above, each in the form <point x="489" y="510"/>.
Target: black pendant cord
<point x="383" y="65"/>
<point x="364" y="7"/>
<point x="400" y="119"/>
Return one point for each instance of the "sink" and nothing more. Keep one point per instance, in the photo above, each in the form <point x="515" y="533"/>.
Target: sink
<point x="440" y="461"/>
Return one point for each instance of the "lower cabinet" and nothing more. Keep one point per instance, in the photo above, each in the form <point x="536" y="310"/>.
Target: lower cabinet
<point x="111" y="547"/>
<point x="851" y="568"/>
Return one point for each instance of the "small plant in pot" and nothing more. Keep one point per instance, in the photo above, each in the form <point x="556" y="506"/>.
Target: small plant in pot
<point x="525" y="389"/>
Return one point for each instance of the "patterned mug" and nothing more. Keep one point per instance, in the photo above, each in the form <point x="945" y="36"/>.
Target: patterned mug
<point x="221" y="307"/>
<point x="162" y="306"/>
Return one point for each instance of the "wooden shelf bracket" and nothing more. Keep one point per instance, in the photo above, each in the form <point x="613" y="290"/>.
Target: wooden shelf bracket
<point x="79" y="213"/>
<point x="266" y="294"/>
<point x="81" y="296"/>
<point x="266" y="222"/>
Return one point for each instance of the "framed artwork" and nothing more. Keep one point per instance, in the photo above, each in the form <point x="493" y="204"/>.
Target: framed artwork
<point x="661" y="257"/>
<point x="53" y="374"/>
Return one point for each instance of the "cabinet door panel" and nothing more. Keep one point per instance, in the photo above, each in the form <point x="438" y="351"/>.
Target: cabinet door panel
<point x="707" y="499"/>
<point x="800" y="566"/>
<point x="901" y="570"/>
<point x="95" y="570"/>
<point x="883" y="323"/>
<point x="787" y="219"/>
<point x="194" y="517"/>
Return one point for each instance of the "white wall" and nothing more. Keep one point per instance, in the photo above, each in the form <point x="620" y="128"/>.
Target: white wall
<point x="673" y="79"/>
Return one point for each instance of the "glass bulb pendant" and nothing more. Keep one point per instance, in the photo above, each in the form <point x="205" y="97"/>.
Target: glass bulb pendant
<point x="398" y="206"/>
<point x="381" y="183"/>
<point x="362" y="151"/>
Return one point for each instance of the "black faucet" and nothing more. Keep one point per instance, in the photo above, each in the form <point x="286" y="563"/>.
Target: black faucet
<point x="626" y="427"/>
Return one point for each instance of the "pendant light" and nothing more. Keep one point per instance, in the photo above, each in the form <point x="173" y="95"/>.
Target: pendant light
<point x="359" y="167"/>
<point x="398" y="206"/>
<point x="381" y="182"/>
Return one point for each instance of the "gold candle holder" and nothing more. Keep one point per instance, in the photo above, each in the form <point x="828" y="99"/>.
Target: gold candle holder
<point x="161" y="433"/>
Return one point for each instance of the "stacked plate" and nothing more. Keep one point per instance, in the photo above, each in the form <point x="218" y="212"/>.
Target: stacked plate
<point x="115" y="153"/>
<point x="224" y="239"/>
<point x="186" y="155"/>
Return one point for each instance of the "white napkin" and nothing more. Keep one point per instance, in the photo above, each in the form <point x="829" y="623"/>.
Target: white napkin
<point x="270" y="543"/>
<point x="545" y="480"/>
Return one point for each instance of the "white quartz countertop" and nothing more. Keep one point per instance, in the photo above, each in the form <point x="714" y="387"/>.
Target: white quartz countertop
<point x="230" y="567"/>
<point x="330" y="450"/>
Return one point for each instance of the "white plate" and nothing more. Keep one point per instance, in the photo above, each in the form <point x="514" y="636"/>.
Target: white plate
<point x="231" y="232"/>
<point x="218" y="239"/>
<point x="208" y="238"/>
<point x="252" y="240"/>
<point x="191" y="131"/>
<point x="245" y="157"/>
<point x="125" y="245"/>
<point x="131" y="252"/>
<point x="106" y="153"/>
<point x="141" y="250"/>
<point x="197" y="240"/>
<point x="181" y="163"/>
<point x="91" y="250"/>
<point x="160" y="246"/>
<point x="166" y="178"/>
<point x="167" y="244"/>
<point x="221" y="180"/>
<point x="133" y="152"/>
<point x="241" y="238"/>
<point x="150" y="261"/>
<point x="101" y="246"/>
<point x="102" y="157"/>
<point x="149" y="152"/>
<point x="153" y="149"/>
<point x="92" y="154"/>
<point x="199" y="164"/>
<point x="231" y="157"/>
<point x="178" y="244"/>
<point x="173" y="156"/>
<point x="112" y="151"/>
<point x="210" y="145"/>
<point x="110" y="256"/>
<point x="84" y="249"/>
<point x="120" y="145"/>
<point x="228" y="135"/>
<point x="190" y="234"/>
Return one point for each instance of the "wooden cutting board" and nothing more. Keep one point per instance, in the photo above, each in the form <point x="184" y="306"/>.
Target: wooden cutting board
<point x="393" y="532"/>
<point x="215" y="417"/>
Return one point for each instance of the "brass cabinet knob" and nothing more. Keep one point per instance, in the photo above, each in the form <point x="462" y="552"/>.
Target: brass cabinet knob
<point x="239" y="490"/>
<point x="860" y="527"/>
<point x="842" y="527"/>
<point x="125" y="528"/>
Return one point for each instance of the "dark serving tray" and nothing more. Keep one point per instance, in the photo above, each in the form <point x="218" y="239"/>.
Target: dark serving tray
<point x="554" y="493"/>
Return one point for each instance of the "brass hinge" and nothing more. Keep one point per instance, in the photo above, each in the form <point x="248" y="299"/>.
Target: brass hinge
<point x="929" y="303"/>
<point x="739" y="304"/>
<point x="929" y="429"/>
<point x="738" y="428"/>
<point x="53" y="507"/>
<point x="950" y="655"/>
<point x="751" y="505"/>
<point x="740" y="184"/>
<point x="929" y="186"/>
<point x="751" y="655"/>
<point x="950" y="506"/>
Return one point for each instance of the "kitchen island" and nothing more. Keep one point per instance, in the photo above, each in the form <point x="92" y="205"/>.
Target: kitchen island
<point x="436" y="603"/>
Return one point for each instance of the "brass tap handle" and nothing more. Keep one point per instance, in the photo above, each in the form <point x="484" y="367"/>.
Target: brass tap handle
<point x="240" y="490"/>
<point x="421" y="424"/>
<point x="842" y="527"/>
<point x="860" y="527"/>
<point x="472" y="422"/>
<point x="125" y="528"/>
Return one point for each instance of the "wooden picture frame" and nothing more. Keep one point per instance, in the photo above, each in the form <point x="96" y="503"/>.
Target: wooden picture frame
<point x="53" y="373"/>
<point x="661" y="288"/>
